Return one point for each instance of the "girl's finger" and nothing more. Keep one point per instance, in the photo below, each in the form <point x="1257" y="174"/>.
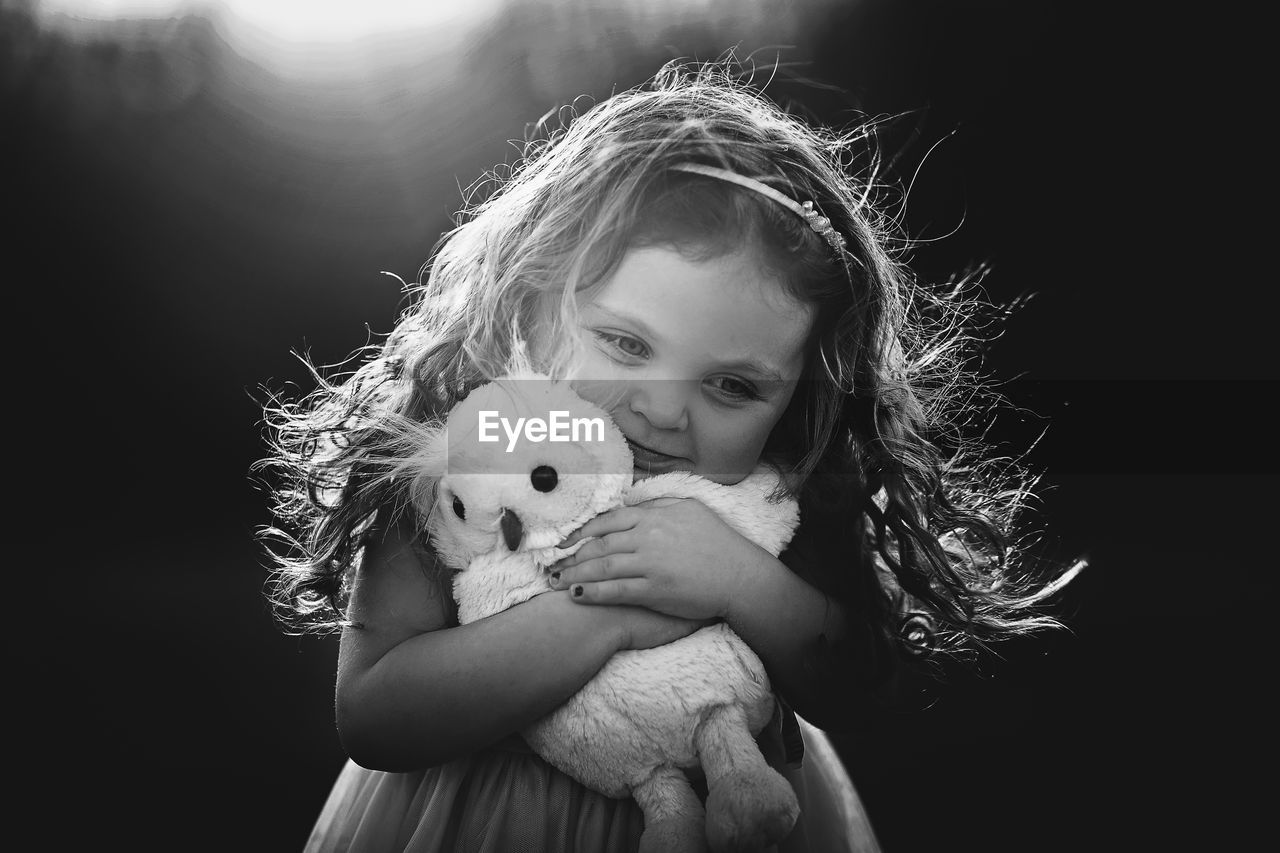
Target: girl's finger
<point x="621" y="591"/>
<point x="612" y="543"/>
<point x="609" y="567"/>
<point x="613" y="521"/>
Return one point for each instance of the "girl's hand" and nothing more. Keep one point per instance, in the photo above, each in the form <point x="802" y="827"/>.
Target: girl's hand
<point x="673" y="555"/>
<point x="643" y="628"/>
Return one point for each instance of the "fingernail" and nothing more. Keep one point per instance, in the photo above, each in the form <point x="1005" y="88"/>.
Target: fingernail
<point x="577" y="590"/>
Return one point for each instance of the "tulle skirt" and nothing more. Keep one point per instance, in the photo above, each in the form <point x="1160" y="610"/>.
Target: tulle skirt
<point x="507" y="800"/>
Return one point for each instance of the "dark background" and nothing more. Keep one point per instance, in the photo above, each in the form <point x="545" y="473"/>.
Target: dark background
<point x="181" y="216"/>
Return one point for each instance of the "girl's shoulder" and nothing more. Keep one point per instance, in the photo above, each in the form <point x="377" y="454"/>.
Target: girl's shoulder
<point x="398" y="566"/>
<point x="830" y="543"/>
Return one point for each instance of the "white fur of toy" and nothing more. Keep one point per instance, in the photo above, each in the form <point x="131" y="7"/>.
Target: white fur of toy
<point x="647" y="714"/>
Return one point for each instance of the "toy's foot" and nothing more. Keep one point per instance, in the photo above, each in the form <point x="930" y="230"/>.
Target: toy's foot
<point x="748" y="811"/>
<point x="673" y="836"/>
<point x="674" y="821"/>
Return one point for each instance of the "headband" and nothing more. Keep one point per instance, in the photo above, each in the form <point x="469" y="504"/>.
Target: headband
<point x="820" y="224"/>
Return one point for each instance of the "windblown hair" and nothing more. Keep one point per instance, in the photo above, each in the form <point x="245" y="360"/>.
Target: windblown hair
<point x="875" y="436"/>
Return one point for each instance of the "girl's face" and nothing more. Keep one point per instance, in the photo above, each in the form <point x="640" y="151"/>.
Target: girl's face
<point x="695" y="360"/>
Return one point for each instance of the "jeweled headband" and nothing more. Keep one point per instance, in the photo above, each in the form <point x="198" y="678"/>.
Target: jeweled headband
<point x="805" y="210"/>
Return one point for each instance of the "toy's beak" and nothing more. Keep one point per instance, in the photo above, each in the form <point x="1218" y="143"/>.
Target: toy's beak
<point x="512" y="529"/>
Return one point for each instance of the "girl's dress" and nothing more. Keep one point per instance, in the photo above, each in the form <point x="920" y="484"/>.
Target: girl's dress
<point x="507" y="800"/>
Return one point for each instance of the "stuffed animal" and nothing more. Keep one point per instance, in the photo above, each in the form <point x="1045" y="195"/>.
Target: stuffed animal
<point x="497" y="509"/>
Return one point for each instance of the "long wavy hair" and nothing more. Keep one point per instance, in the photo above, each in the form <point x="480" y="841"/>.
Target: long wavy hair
<point x="911" y="520"/>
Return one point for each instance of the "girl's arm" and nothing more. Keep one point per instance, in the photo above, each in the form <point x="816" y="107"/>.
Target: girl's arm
<point x="793" y="627"/>
<point x="413" y="693"/>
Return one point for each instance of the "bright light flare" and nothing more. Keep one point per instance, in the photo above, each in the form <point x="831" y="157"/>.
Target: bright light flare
<point x="326" y="21"/>
<point x="113" y="10"/>
<point x="289" y="21"/>
<point x="294" y="39"/>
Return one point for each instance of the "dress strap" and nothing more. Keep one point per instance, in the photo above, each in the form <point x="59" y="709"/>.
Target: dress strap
<point x="792" y="738"/>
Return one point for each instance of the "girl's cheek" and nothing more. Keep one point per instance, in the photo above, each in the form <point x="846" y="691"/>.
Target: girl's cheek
<point x="591" y="364"/>
<point x="606" y="393"/>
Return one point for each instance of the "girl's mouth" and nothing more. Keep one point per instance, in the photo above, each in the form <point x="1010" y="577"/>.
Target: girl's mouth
<point x="651" y="460"/>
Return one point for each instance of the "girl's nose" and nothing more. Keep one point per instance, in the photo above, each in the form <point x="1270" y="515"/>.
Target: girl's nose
<point x="661" y="402"/>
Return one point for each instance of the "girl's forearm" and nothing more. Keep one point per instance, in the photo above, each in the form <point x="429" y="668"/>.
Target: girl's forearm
<point x="443" y="694"/>
<point x="781" y="617"/>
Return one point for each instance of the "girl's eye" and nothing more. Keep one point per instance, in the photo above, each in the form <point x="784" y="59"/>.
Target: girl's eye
<point x="625" y="344"/>
<point x="736" y="389"/>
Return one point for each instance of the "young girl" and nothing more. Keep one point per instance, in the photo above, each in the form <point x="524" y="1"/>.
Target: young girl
<point x="700" y="263"/>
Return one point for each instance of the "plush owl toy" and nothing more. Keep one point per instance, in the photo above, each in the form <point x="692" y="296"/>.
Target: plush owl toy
<point x="501" y="493"/>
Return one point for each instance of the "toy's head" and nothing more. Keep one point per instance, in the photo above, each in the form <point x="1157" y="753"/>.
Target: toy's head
<point x="525" y="463"/>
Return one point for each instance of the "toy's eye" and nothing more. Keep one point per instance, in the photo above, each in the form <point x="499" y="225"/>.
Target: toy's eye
<point x="544" y="478"/>
<point x="459" y="509"/>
